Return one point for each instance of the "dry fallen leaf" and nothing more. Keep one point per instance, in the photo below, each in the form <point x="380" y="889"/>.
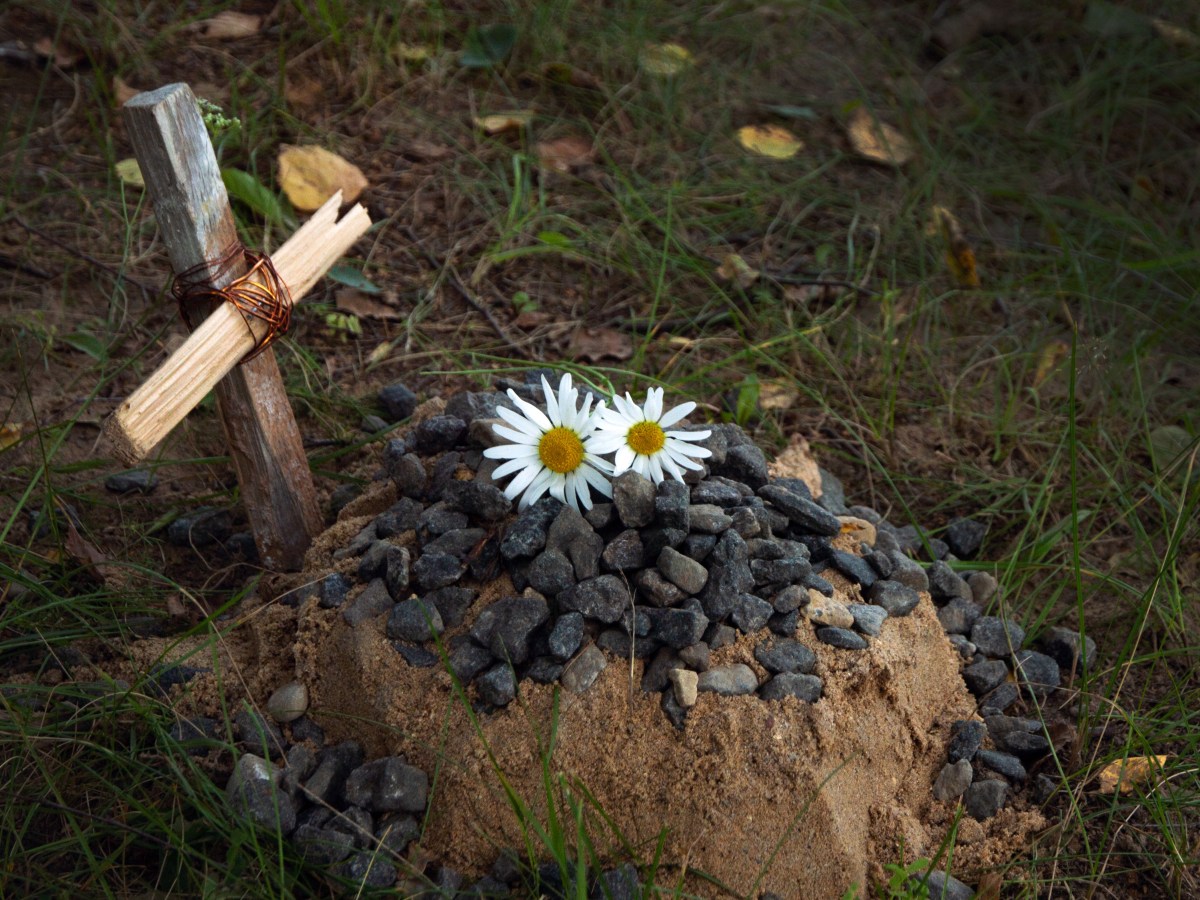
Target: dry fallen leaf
<point x="594" y="344"/>
<point x="497" y="123"/>
<point x="229" y="25"/>
<point x="122" y="91"/>
<point x="1048" y="359"/>
<point x="11" y="433"/>
<point x="532" y="318"/>
<point x="877" y="141"/>
<point x="734" y="268"/>
<point x="989" y="886"/>
<point x="776" y="395"/>
<point x="427" y="151"/>
<point x="1174" y="34"/>
<point x="302" y="91"/>
<point x="769" y="140"/>
<point x="311" y="175"/>
<point x="565" y="153"/>
<point x="1124" y="774"/>
<point x="130" y="173"/>
<point x="665" y="59"/>
<point x="355" y="302"/>
<point x="412" y="53"/>
<point x="56" y="53"/>
<point x="960" y="257"/>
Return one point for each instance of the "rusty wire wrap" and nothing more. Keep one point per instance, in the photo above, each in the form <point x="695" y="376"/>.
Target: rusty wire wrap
<point x="259" y="294"/>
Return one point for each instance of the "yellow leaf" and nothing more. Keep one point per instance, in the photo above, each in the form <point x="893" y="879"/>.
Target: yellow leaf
<point x="311" y="175"/>
<point x="130" y="173"/>
<point x="769" y="140"/>
<point x="1174" y="34"/>
<point x="498" y="123"/>
<point x="1124" y="774"/>
<point x="665" y="59"/>
<point x="960" y="257"/>
<point x="877" y="141"/>
<point x="11" y="433"/>
<point x="776" y="395"/>
<point x="734" y="268"/>
<point x="412" y="53"/>
<point x="229" y="25"/>
<point x="1048" y="359"/>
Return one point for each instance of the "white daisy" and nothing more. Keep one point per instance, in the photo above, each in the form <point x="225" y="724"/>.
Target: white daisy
<point x="641" y="442"/>
<point x="551" y="450"/>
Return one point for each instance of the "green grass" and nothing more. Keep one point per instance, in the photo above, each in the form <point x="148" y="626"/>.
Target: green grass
<point x="1068" y="157"/>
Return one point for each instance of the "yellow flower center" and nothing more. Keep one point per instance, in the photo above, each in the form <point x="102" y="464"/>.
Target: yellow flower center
<point x="560" y="450"/>
<point x="646" y="438"/>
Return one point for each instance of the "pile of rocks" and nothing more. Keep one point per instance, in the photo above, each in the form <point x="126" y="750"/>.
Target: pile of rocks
<point x="665" y="573"/>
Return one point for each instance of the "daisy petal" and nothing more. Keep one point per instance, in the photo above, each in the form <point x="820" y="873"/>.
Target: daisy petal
<point x="534" y="414"/>
<point x="671" y="417"/>
<point x="523" y="480"/>
<point x="511" y="451"/>
<point x="514" y="465"/>
<point x="654" y="398"/>
<point x="689" y="435"/>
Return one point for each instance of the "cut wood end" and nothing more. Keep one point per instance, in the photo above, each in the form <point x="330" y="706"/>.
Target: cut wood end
<point x="117" y="443"/>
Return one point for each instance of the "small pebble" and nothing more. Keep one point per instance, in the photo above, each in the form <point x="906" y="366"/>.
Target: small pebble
<point x="965" y="537"/>
<point x="685" y="684"/>
<point x="840" y="637"/>
<point x="793" y="684"/>
<point x="288" y="702"/>
<point x="1003" y="764"/>
<point x="397" y="401"/>
<point x="966" y="739"/>
<point x="1036" y="672"/>
<point x="897" y="598"/>
<point x="996" y="637"/>
<point x="952" y="781"/>
<point x="985" y="676"/>
<point x="983" y="587"/>
<point x="785" y="655"/>
<point x="141" y="480"/>
<point x="868" y="618"/>
<point x="828" y="611"/>
<point x="984" y="799"/>
<point x="584" y="669"/>
<point x="729" y="681"/>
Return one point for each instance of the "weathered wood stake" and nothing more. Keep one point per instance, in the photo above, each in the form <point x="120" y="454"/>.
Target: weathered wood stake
<point x="192" y="208"/>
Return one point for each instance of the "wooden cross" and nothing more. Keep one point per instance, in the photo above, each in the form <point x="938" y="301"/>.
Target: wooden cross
<point x="197" y="225"/>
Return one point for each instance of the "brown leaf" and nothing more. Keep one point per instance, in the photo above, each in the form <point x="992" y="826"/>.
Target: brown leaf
<point x="960" y="256"/>
<point x="311" y="175"/>
<point x="175" y="607"/>
<point x="302" y="91"/>
<point x="592" y="344"/>
<point x="532" y="318"/>
<point x="229" y="25"/>
<point x="122" y="91"/>
<point x="427" y="151"/>
<point x="777" y="395"/>
<point x="355" y="302"/>
<point x="564" y="73"/>
<point x="877" y="141"/>
<point x="734" y="268"/>
<point x="989" y="886"/>
<point x="1124" y="774"/>
<point x="565" y="153"/>
<point x="61" y="56"/>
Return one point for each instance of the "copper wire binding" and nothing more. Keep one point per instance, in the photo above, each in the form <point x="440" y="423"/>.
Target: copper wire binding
<point x="259" y="294"/>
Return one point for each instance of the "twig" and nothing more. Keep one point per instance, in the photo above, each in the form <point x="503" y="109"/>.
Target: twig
<point x="464" y="292"/>
<point x="150" y="292"/>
